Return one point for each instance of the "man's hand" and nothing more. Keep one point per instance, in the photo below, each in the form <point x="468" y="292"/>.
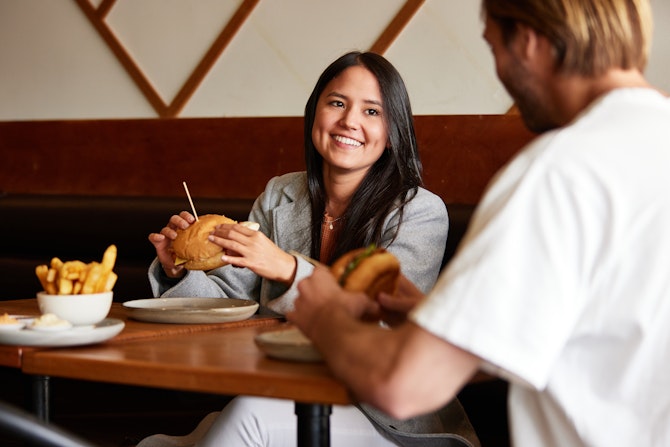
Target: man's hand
<point x="393" y="309"/>
<point x="321" y="292"/>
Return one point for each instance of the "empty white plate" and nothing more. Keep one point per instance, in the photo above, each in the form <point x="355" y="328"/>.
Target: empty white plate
<point x="191" y="310"/>
<point x="287" y="344"/>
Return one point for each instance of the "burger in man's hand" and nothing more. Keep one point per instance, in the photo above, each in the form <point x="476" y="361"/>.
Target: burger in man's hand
<point x="192" y="248"/>
<point x="371" y="270"/>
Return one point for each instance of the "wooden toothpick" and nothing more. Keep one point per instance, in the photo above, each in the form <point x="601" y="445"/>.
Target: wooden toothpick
<point x="190" y="200"/>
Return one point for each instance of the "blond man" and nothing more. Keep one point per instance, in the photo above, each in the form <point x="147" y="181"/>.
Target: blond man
<point x="559" y="285"/>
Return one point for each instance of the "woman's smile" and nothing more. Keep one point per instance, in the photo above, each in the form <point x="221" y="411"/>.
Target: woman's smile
<point x="347" y="141"/>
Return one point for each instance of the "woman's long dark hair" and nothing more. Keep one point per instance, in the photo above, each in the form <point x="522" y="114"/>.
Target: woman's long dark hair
<point x="390" y="183"/>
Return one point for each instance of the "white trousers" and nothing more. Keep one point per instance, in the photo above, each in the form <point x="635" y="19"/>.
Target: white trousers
<point x="262" y="422"/>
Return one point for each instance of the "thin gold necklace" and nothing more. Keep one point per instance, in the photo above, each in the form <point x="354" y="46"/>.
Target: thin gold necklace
<point x="331" y="221"/>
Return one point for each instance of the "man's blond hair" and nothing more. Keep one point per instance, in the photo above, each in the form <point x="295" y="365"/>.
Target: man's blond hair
<point x="589" y="36"/>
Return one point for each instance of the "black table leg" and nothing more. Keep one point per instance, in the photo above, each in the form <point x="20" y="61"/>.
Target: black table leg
<point x="313" y="424"/>
<point x="40" y="393"/>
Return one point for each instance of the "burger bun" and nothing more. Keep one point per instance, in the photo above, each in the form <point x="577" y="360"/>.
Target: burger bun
<point x="192" y="248"/>
<point x="377" y="272"/>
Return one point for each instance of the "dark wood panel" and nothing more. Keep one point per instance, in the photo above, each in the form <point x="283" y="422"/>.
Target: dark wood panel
<point x="460" y="153"/>
<point x="227" y="157"/>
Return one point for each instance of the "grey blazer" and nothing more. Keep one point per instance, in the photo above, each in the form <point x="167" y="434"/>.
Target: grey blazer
<point x="283" y="212"/>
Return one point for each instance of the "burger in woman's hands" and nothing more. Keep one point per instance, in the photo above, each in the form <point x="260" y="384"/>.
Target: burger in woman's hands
<point x="192" y="247"/>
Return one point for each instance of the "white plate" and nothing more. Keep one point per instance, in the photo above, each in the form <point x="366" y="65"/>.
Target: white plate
<point x="287" y="344"/>
<point x="191" y="310"/>
<point x="78" y="335"/>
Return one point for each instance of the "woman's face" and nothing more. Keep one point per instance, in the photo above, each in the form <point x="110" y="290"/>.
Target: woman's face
<point x="349" y="129"/>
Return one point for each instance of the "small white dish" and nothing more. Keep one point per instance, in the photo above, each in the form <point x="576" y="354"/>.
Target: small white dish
<point x="11" y="322"/>
<point x="287" y="344"/>
<point x="12" y="326"/>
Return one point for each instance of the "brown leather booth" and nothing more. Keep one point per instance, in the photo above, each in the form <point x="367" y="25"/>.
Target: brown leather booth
<point x="71" y="188"/>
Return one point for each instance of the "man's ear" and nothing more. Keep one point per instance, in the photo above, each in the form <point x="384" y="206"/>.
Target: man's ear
<point x="533" y="47"/>
<point x="525" y="41"/>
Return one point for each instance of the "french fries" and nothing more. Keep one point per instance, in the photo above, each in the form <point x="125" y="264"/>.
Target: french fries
<point x="77" y="277"/>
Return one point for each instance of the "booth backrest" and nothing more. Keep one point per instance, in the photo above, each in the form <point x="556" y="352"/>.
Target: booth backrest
<point x="71" y="188"/>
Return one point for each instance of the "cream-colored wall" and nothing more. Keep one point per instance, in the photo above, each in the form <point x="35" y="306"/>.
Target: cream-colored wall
<point x="54" y="65"/>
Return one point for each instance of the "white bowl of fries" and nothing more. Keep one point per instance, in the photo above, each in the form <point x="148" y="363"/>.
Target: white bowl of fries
<point x="80" y="310"/>
<point x="78" y="292"/>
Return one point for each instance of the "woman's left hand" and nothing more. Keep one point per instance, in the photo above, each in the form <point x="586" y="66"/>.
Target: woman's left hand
<point x="244" y="247"/>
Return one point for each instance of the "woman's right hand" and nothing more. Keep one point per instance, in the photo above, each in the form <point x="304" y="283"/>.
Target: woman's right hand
<point x="244" y="247"/>
<point x="162" y="242"/>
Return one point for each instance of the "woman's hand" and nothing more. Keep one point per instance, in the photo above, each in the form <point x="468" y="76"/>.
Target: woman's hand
<point x="162" y="242"/>
<point x="244" y="247"/>
<point x="393" y="309"/>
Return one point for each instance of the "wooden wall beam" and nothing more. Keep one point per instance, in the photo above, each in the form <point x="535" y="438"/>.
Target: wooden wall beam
<point x="210" y="58"/>
<point x="395" y="27"/>
<point x="96" y="17"/>
<point x="128" y="63"/>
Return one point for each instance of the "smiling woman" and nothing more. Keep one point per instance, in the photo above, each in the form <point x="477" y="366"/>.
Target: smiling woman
<point x="364" y="175"/>
<point x="359" y="97"/>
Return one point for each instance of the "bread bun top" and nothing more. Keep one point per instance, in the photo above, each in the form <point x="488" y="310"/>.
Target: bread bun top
<point x="370" y="270"/>
<point x="192" y="247"/>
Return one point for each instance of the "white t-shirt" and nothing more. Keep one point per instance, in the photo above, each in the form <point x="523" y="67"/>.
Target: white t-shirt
<point x="562" y="282"/>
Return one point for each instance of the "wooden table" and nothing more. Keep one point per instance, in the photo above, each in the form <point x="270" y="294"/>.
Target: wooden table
<point x="12" y="356"/>
<point x="222" y="359"/>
